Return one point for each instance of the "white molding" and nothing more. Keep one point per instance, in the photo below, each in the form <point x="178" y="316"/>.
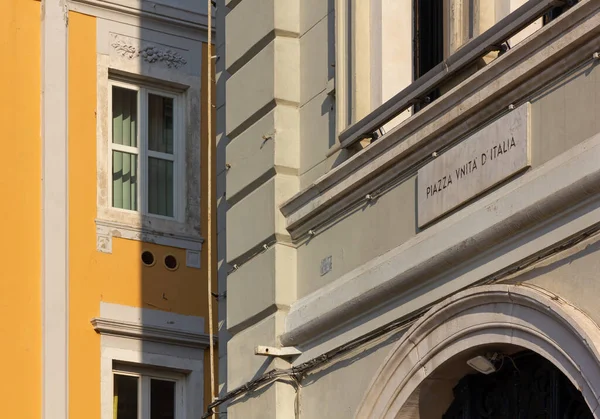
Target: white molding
<point x="55" y="210"/>
<point x="149" y="53"/>
<point x="112" y="352"/>
<point x="106" y="230"/>
<point x="150" y="338"/>
<point x="518" y="222"/>
<point x="144" y="376"/>
<point x="171" y="16"/>
<point x="150" y="333"/>
<point x="142" y="151"/>
<point x="527" y="67"/>
<point x="497" y="314"/>
<point x="183" y="231"/>
<point x="341" y="80"/>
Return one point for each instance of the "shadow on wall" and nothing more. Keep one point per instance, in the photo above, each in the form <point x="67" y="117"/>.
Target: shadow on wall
<point x="148" y="88"/>
<point x="169" y="281"/>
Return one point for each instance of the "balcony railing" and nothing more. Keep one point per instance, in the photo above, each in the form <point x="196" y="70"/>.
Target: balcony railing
<point x="490" y="40"/>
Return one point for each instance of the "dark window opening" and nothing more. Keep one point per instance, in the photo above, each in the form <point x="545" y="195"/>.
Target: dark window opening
<point x="429" y="42"/>
<point x="559" y="10"/>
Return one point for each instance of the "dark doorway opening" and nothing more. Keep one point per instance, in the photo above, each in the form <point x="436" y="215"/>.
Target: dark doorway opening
<point x="525" y="386"/>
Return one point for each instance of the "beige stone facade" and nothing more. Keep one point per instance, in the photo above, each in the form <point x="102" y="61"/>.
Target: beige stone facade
<point x="321" y="250"/>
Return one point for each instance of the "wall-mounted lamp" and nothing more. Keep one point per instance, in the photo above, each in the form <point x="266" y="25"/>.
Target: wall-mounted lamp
<point x="482" y="364"/>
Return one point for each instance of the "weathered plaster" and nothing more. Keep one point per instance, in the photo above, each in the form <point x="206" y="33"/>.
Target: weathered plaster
<point x="120" y="53"/>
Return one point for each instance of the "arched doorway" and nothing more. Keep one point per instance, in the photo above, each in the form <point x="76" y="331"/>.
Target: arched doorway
<point x="418" y="378"/>
<point x="525" y="386"/>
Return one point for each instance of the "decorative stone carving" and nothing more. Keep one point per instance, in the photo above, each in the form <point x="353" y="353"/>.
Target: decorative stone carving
<point x="192" y="259"/>
<point x="149" y="53"/>
<point x="104" y="243"/>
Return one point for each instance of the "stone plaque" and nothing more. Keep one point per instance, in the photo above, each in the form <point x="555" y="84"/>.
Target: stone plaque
<point x="481" y="161"/>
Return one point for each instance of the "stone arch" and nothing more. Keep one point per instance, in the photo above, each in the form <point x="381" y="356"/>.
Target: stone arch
<point x="517" y="315"/>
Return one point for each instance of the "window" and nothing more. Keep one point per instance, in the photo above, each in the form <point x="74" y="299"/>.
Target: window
<point x="147" y="394"/>
<point x="558" y="10"/>
<point x="145" y="150"/>
<point x="429" y="45"/>
<point x="429" y="42"/>
<point x="152" y="363"/>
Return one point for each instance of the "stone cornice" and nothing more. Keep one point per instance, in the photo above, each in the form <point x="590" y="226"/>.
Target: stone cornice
<point x="512" y="227"/>
<point x="167" y="14"/>
<point x="150" y="333"/>
<point x="510" y="79"/>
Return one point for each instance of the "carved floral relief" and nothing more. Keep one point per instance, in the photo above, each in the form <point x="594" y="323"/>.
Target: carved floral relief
<point x="149" y="53"/>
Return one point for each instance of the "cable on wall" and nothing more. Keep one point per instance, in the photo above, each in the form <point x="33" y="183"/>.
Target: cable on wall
<point x="209" y="176"/>
<point x="295" y="375"/>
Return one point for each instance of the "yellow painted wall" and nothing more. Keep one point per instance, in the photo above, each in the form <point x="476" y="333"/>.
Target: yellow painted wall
<point x="119" y="277"/>
<point x="20" y="214"/>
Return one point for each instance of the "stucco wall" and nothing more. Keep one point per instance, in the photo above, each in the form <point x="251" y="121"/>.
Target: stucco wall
<point x="572" y="274"/>
<point x="266" y="162"/>
<point x="337" y="389"/>
<point x="118" y="277"/>
<point x="20" y="214"/>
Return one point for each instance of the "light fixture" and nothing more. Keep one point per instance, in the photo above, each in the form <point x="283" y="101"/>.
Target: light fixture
<point x="482" y="364"/>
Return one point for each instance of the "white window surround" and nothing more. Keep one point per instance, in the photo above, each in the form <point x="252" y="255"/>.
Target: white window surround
<point x="143" y="152"/>
<point x="152" y="339"/>
<point x="144" y="376"/>
<point x="186" y="17"/>
<point x="139" y="219"/>
<point x="180" y="77"/>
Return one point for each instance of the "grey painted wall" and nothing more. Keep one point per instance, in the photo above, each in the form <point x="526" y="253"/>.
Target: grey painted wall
<point x="335" y="392"/>
<point x="572" y="274"/>
<point x="275" y="129"/>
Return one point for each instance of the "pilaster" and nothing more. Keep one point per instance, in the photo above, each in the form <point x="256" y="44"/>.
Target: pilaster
<point x="260" y="79"/>
<point x="55" y="275"/>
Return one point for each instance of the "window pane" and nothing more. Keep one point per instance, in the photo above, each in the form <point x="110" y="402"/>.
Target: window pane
<point x="124" y="180"/>
<point x="124" y="113"/>
<point x="160" y="187"/>
<point x="125" y="399"/>
<point x="160" y="124"/>
<point x="162" y="399"/>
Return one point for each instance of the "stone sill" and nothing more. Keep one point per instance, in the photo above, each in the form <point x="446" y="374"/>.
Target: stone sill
<point x="139" y="331"/>
<point x="511" y="79"/>
<point x="107" y="229"/>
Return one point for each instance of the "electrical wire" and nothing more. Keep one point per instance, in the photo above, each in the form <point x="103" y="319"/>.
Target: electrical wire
<point x="294" y="375"/>
<point x="209" y="203"/>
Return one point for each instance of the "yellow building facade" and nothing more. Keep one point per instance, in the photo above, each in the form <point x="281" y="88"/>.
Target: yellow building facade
<point x="104" y="173"/>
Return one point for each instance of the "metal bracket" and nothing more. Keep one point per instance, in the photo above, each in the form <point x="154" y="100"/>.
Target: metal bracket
<point x="278" y="352"/>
